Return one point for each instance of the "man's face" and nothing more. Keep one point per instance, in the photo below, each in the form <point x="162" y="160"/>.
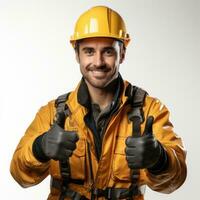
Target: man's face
<point x="99" y="60"/>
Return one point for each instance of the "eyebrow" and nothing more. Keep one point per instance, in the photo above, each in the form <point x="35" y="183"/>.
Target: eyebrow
<point x="109" y="48"/>
<point x="104" y="49"/>
<point x="86" y="48"/>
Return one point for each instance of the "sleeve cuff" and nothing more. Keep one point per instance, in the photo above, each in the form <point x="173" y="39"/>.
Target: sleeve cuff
<point x="162" y="163"/>
<point x="37" y="150"/>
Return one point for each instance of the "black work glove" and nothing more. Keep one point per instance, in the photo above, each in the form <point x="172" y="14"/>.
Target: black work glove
<point x="144" y="151"/>
<point x="56" y="144"/>
<point x="59" y="144"/>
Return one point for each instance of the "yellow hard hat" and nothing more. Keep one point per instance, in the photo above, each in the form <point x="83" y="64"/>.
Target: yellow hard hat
<point x="100" y="21"/>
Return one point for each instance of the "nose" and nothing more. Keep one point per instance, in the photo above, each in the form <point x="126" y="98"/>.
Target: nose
<point x="99" y="59"/>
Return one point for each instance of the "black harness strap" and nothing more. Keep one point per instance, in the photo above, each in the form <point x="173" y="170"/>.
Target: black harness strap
<point x="62" y="112"/>
<point x="136" y="98"/>
<point x="56" y="183"/>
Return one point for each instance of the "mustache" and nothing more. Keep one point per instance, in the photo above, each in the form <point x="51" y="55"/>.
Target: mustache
<point x="103" y="67"/>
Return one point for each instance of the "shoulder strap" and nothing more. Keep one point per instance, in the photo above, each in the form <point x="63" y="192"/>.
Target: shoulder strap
<point x="62" y="112"/>
<point x="136" y="98"/>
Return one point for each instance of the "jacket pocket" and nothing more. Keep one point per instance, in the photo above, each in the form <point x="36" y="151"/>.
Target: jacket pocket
<point x="77" y="160"/>
<point x="121" y="171"/>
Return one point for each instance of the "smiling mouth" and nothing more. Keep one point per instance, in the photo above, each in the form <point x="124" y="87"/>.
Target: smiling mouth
<point x="103" y="69"/>
<point x="99" y="73"/>
<point x="100" y="70"/>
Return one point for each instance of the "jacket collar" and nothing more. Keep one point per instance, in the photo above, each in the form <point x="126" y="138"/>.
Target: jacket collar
<point x="83" y="96"/>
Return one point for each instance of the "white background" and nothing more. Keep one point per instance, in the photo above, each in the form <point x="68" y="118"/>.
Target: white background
<point x="37" y="64"/>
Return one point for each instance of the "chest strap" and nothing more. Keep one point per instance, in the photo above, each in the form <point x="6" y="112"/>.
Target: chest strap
<point x="108" y="193"/>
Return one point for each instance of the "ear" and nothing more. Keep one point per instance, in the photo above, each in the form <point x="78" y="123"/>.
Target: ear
<point x="77" y="56"/>
<point x="122" y="54"/>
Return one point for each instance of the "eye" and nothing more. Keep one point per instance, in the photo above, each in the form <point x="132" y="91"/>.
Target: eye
<point x="109" y="52"/>
<point x="88" y="51"/>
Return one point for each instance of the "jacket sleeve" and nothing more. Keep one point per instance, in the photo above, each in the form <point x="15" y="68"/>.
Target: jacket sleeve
<point x="174" y="176"/>
<point x="25" y="168"/>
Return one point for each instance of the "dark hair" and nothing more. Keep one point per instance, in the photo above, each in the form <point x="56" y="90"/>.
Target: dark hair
<point x="77" y="44"/>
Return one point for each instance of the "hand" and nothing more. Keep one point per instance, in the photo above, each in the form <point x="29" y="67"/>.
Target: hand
<point x="59" y="144"/>
<point x="144" y="151"/>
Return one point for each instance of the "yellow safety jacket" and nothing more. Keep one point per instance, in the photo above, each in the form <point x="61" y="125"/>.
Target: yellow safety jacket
<point x="112" y="169"/>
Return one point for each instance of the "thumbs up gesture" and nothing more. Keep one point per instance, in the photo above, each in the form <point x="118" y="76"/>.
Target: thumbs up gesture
<point x="58" y="144"/>
<point x="143" y="151"/>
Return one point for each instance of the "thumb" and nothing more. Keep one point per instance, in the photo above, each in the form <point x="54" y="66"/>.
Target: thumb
<point x="148" y="126"/>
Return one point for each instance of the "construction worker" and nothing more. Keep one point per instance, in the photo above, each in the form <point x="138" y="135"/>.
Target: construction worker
<point x="105" y="139"/>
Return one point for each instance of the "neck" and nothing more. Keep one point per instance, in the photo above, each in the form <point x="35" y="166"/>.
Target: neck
<point x="102" y="96"/>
